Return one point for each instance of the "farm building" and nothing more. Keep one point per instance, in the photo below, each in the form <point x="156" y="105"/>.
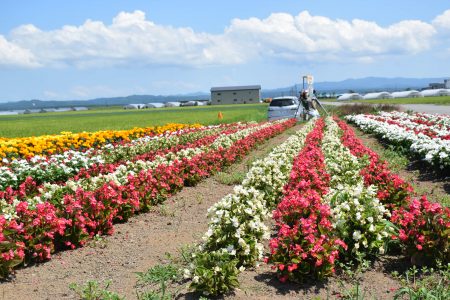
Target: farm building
<point x="407" y="94"/>
<point x="172" y="104"/>
<point x="135" y="106"/>
<point x="435" y="93"/>
<point x="349" y="96"/>
<point x="236" y="94"/>
<point x="380" y="95"/>
<point x="155" y="105"/>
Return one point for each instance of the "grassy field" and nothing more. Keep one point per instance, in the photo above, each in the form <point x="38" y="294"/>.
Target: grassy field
<point x="117" y="118"/>
<point x="445" y="100"/>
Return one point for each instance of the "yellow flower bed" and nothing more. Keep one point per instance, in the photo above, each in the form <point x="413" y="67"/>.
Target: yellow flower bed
<point x="50" y="144"/>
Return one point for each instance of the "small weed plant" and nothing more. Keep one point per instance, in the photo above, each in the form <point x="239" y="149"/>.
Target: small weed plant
<point x="93" y="291"/>
<point x="425" y="283"/>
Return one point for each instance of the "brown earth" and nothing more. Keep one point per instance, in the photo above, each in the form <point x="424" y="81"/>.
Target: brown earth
<point x="144" y="241"/>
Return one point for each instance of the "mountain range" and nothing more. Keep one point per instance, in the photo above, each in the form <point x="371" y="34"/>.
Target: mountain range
<point x="360" y="85"/>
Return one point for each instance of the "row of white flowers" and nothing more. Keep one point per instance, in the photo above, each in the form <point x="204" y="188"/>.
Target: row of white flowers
<point x="120" y="176"/>
<point x="358" y="215"/>
<point x="62" y="166"/>
<point x="437" y="124"/>
<point x="436" y="151"/>
<point x="236" y="226"/>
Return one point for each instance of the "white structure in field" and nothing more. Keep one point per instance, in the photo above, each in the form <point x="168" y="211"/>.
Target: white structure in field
<point x="407" y="94"/>
<point x="380" y="95"/>
<point x="189" y="103"/>
<point x="172" y="104"/>
<point x="135" y="106"/>
<point x="155" y="105"/>
<point x="435" y="93"/>
<point x="349" y="96"/>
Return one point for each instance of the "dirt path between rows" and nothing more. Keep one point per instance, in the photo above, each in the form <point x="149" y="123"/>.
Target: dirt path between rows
<point x="134" y="247"/>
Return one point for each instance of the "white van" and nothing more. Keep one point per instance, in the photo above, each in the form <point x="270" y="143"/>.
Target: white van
<point x="284" y="107"/>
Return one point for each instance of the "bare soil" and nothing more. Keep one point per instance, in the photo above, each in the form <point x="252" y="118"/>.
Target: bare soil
<point x="144" y="241"/>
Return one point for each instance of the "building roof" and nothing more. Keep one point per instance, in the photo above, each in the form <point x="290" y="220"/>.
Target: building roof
<point x="236" y="88"/>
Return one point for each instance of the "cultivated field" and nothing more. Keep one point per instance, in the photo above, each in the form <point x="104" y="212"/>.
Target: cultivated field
<point x="315" y="210"/>
<point x="116" y="118"/>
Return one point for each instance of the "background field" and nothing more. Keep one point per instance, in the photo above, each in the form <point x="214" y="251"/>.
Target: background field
<point x="117" y="118"/>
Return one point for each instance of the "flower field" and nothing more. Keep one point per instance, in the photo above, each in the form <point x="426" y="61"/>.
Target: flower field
<point x="316" y="203"/>
<point x="333" y="200"/>
<point x="428" y="136"/>
<point x="58" y="201"/>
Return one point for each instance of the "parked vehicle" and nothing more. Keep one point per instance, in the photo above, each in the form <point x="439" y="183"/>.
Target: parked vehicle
<point x="283" y="107"/>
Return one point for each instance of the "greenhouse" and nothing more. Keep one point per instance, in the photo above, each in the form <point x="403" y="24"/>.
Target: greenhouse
<point x="155" y="105"/>
<point x="407" y="94"/>
<point x="380" y="95"/>
<point x="349" y="96"/>
<point x="435" y="93"/>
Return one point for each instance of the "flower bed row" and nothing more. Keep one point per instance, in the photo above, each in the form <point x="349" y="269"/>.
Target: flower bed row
<point x="67" y="216"/>
<point x="50" y="144"/>
<point x="426" y="135"/>
<point x="236" y="228"/>
<point x="423" y="226"/>
<point x="61" y="167"/>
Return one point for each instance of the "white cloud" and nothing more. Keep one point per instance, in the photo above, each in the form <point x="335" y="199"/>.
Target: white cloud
<point x="293" y="37"/>
<point x="13" y="55"/>
<point x="443" y="21"/>
<point x="129" y="40"/>
<point x="132" y="40"/>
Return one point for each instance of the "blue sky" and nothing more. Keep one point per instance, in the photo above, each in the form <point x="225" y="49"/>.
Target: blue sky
<point x="100" y="48"/>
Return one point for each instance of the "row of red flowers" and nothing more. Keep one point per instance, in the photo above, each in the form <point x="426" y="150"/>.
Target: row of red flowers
<point x="423" y="227"/>
<point x="79" y="215"/>
<point x="305" y="243"/>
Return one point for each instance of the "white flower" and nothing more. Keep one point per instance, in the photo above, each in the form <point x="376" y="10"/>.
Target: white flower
<point x="195" y="279"/>
<point x="370" y="219"/>
<point x="187" y="274"/>
<point x="356" y="235"/>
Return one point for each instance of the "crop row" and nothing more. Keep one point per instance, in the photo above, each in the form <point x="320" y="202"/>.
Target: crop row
<point x="427" y="136"/>
<point x="39" y="220"/>
<point x="11" y="148"/>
